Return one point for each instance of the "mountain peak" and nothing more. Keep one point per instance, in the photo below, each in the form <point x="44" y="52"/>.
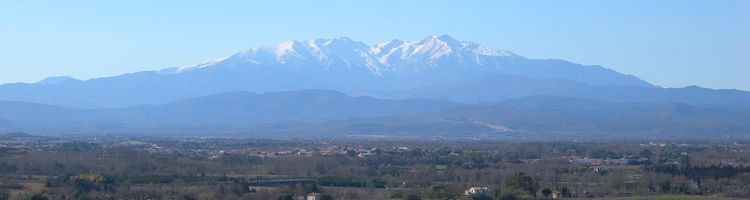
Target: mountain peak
<point x="338" y="40"/>
<point x="54" y="80"/>
<point x="342" y="43"/>
<point x="437" y="46"/>
<point x="442" y="38"/>
<point x="287" y="47"/>
<point x="384" y="47"/>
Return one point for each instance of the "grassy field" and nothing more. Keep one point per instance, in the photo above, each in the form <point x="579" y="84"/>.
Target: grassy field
<point x="680" y="197"/>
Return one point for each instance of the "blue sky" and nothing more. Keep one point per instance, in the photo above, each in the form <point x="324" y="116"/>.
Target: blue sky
<point x="669" y="43"/>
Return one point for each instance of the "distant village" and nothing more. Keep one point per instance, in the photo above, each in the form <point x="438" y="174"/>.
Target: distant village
<point x="559" y="170"/>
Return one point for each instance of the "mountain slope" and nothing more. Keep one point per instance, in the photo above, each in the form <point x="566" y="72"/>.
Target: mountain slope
<point x="495" y="87"/>
<point x="241" y="108"/>
<point x="547" y="117"/>
<point x="18" y="115"/>
<point x="217" y="112"/>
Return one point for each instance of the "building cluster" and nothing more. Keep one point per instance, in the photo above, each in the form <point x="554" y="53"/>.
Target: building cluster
<point x="215" y="152"/>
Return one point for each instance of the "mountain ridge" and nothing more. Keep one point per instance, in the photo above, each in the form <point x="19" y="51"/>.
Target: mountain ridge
<point x="331" y="114"/>
<point x="220" y="111"/>
<point x="356" y="68"/>
<point x="547" y="118"/>
<point x="399" y="58"/>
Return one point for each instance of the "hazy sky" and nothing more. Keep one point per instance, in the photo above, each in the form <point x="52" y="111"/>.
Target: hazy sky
<point x="668" y="43"/>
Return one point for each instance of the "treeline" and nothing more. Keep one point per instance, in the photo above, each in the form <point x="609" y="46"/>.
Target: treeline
<point x="340" y="182"/>
<point x="702" y="172"/>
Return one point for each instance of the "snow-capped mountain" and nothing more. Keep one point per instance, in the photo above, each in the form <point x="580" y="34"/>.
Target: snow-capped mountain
<point x="384" y="58"/>
<point x="340" y="64"/>
<point x="399" y="64"/>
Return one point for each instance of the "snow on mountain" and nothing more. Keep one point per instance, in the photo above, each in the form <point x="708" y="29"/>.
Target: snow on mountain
<point x="438" y="50"/>
<point x="345" y="64"/>
<point x="173" y="70"/>
<point x="386" y="57"/>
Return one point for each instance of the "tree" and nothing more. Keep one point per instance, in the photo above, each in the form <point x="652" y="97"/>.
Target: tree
<point x="39" y="197"/>
<point x="481" y="196"/>
<point x="665" y="186"/>
<point x="311" y="188"/>
<point x="521" y="183"/>
<point x="412" y="197"/>
<point x="188" y="197"/>
<point x="546" y="192"/>
<point x="646" y="153"/>
<point x="565" y="192"/>
<point x="4" y="195"/>
<point x="508" y="196"/>
<point x="285" y="197"/>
